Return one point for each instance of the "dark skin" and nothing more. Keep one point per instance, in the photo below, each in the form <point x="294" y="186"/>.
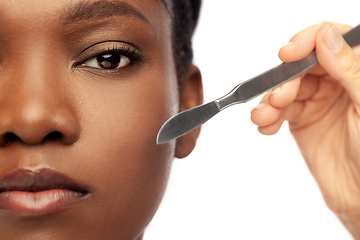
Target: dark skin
<point x="65" y="111"/>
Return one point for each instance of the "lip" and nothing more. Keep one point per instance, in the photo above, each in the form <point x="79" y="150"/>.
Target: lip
<point x="41" y="192"/>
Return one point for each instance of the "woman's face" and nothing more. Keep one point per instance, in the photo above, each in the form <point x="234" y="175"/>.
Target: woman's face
<point x="84" y="88"/>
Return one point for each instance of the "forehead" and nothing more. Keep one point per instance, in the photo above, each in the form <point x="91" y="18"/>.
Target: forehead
<point x="152" y="12"/>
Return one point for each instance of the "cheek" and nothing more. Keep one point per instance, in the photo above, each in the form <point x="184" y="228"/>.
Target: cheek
<point x="119" y="154"/>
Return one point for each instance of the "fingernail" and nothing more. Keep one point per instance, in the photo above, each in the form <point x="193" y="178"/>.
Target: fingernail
<point x="275" y="90"/>
<point x="260" y="106"/>
<point x="333" y="39"/>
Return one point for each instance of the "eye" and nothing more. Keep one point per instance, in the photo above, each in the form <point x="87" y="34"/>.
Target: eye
<point x="109" y="57"/>
<point x="108" y="61"/>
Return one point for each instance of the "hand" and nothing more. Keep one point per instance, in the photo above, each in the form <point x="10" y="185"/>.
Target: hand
<point x="323" y="111"/>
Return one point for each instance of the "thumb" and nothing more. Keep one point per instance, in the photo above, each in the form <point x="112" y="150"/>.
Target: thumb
<point x="339" y="60"/>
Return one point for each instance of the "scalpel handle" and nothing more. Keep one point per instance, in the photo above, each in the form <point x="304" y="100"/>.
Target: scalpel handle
<point x="278" y="75"/>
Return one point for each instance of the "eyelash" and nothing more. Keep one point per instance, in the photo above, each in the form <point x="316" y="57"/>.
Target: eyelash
<point x="133" y="54"/>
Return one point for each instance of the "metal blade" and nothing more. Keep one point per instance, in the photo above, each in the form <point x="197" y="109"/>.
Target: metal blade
<point x="186" y="121"/>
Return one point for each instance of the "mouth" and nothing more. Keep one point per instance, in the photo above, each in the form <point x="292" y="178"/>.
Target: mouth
<point x="42" y="192"/>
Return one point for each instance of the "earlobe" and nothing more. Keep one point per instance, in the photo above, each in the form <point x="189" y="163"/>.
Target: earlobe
<point x="191" y="96"/>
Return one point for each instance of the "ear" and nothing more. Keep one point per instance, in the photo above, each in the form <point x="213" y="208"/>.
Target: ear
<point x="191" y="96"/>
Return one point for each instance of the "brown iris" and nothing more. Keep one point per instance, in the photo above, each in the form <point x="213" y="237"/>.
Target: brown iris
<point x="109" y="60"/>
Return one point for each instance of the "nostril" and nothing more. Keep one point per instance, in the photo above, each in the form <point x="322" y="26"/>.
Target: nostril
<point x="11" y="137"/>
<point x="53" y="136"/>
<point x="8" y="138"/>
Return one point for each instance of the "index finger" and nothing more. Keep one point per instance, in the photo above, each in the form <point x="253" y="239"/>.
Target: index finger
<point x="302" y="43"/>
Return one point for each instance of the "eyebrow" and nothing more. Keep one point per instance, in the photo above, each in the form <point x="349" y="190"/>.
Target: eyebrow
<point x="100" y="10"/>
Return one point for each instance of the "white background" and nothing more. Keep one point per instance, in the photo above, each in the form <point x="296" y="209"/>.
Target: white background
<point x="239" y="184"/>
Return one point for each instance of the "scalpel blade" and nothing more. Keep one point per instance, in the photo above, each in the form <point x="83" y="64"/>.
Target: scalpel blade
<point x="186" y="121"/>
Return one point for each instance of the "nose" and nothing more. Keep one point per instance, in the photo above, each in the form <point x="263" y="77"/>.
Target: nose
<point x="34" y="110"/>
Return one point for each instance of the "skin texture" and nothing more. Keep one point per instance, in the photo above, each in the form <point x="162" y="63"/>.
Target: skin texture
<point x="323" y="110"/>
<point x="105" y="121"/>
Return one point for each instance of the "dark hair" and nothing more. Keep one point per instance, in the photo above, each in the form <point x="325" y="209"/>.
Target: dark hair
<point x="185" y="15"/>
